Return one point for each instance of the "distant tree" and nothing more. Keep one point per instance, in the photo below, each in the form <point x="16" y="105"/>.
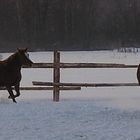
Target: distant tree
<point x="69" y="23"/>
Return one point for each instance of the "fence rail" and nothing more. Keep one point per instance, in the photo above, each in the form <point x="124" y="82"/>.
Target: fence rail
<point x="84" y="84"/>
<point x="46" y="88"/>
<point x="82" y="65"/>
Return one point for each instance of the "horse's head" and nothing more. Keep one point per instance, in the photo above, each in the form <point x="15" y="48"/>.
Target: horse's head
<point x="24" y="57"/>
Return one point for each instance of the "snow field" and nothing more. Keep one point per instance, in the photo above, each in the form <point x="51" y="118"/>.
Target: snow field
<point x="89" y="114"/>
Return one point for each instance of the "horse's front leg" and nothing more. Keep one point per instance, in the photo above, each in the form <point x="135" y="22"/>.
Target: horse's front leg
<point x="9" y="88"/>
<point x="17" y="90"/>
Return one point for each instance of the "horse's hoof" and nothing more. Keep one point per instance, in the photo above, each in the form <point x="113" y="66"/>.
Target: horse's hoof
<point x="9" y="97"/>
<point x="14" y="101"/>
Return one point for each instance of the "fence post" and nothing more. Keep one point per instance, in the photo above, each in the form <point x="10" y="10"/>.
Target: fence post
<point x="56" y="75"/>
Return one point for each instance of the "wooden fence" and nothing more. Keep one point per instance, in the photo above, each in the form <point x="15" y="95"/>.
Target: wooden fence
<point x="56" y="86"/>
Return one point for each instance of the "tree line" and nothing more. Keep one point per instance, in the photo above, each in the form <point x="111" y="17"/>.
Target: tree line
<point x="69" y="24"/>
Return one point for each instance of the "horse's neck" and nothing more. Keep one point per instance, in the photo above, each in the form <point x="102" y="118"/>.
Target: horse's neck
<point x="13" y="62"/>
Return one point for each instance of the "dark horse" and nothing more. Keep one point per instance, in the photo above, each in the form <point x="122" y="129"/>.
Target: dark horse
<point x="10" y="71"/>
<point x="138" y="74"/>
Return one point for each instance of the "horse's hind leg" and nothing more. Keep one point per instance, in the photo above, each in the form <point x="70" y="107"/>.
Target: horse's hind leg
<point x="9" y="88"/>
<point x="17" y="90"/>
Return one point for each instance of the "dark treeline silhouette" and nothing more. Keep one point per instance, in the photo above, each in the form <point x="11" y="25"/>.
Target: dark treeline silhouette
<point x="69" y="24"/>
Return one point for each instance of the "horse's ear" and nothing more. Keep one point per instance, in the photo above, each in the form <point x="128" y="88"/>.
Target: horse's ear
<point x="18" y="49"/>
<point x="26" y="49"/>
<point x="22" y="49"/>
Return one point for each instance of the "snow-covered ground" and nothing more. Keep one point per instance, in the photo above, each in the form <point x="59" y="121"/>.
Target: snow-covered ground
<point x="90" y="114"/>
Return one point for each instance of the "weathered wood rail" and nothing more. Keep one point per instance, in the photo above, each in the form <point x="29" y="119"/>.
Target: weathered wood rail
<point x="84" y="84"/>
<point x="82" y="65"/>
<point x="46" y="88"/>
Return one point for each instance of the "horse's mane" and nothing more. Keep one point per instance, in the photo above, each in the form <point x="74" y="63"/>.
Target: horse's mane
<point x="11" y="57"/>
<point x="17" y="59"/>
